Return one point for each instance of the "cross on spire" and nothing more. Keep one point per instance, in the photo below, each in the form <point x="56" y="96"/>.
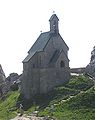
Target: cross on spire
<point x="53" y="11"/>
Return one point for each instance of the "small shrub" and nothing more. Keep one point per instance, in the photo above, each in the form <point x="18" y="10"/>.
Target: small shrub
<point x="14" y="87"/>
<point x="80" y="82"/>
<point x="83" y="100"/>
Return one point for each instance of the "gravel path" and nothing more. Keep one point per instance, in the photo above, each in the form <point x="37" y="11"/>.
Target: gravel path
<point x="28" y="118"/>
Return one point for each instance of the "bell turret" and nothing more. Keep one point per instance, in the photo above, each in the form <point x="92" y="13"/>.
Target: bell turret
<point x="54" y="24"/>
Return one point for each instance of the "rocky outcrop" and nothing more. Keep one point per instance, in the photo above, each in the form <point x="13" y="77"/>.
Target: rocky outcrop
<point x="2" y="81"/>
<point x="90" y="69"/>
<point x="12" y="80"/>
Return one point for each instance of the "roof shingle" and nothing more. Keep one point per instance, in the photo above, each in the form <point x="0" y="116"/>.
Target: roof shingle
<point x="38" y="45"/>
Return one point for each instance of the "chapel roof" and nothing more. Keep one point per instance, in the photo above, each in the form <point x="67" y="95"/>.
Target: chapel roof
<point x="28" y="57"/>
<point x="40" y="42"/>
<point x="38" y="45"/>
<point x="56" y="55"/>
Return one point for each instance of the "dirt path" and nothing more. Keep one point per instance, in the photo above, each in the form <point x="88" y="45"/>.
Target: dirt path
<point x="21" y="118"/>
<point x="28" y="118"/>
<point x="24" y="117"/>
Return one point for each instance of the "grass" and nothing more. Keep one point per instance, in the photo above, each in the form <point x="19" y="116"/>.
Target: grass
<point x="81" y="106"/>
<point x="81" y="82"/>
<point x="8" y="106"/>
<point x="74" y="101"/>
<point x="83" y="100"/>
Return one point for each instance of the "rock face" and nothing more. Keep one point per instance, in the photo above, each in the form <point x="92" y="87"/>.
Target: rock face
<point x="46" y="65"/>
<point x="12" y="79"/>
<point x="2" y="80"/>
<point x="90" y="69"/>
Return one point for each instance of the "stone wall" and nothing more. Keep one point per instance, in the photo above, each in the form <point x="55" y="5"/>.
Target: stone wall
<point x="78" y="70"/>
<point x="55" y="43"/>
<point x="58" y="43"/>
<point x="43" y="80"/>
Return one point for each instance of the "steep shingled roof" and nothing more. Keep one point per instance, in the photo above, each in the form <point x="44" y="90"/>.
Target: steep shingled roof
<point x="56" y="56"/>
<point x="38" y="45"/>
<point x="40" y="42"/>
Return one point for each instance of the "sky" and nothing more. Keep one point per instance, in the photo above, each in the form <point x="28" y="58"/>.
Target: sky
<point x="21" y="22"/>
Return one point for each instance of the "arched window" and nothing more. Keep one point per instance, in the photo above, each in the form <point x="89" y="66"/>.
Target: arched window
<point x="62" y="64"/>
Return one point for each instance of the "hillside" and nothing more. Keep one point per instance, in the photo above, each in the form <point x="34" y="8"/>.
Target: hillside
<point x="76" y="100"/>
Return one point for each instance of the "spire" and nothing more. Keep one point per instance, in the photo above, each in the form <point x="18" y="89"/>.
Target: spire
<point x="54" y="24"/>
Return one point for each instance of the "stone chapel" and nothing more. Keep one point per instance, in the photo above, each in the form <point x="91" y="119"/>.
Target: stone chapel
<point x="46" y="65"/>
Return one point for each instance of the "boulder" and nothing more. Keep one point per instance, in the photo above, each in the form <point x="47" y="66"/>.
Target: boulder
<point x="2" y="81"/>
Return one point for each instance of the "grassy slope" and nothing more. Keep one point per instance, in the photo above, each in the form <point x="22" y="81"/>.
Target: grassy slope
<point x="76" y="101"/>
<point x="8" y="106"/>
<point x="77" y="107"/>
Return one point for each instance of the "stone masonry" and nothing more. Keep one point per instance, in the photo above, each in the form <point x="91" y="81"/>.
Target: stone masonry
<point x="46" y="65"/>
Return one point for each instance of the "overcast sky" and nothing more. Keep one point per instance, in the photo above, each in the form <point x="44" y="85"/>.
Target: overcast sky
<point x="22" y="20"/>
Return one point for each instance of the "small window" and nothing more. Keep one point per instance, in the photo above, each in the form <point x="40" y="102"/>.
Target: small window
<point x="62" y="64"/>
